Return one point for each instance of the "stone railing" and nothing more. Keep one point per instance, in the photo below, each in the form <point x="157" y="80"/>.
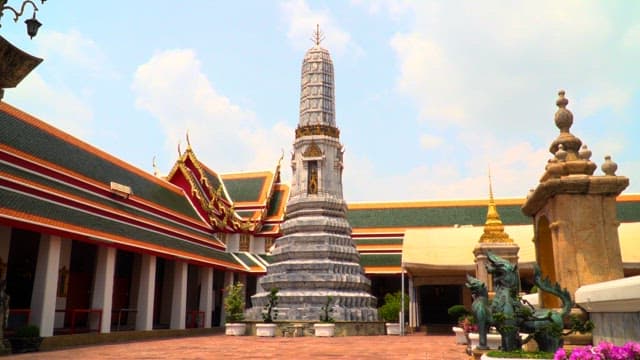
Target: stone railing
<point x="614" y="308"/>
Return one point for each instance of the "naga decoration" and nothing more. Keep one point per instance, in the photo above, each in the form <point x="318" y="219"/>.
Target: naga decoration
<point x="511" y="316"/>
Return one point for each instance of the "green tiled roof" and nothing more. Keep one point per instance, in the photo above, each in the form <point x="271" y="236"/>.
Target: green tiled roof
<point x="214" y="181"/>
<point x="378" y="241"/>
<point x="116" y="205"/>
<point x="246" y="259"/>
<point x="246" y="213"/>
<point x="245" y="190"/>
<point x="628" y="211"/>
<point x="45" y="209"/>
<point x="380" y="259"/>
<point x="276" y="202"/>
<point x="433" y="216"/>
<point x="41" y="144"/>
<point x="267" y="258"/>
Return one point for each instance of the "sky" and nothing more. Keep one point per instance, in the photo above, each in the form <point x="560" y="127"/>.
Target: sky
<point x="429" y="94"/>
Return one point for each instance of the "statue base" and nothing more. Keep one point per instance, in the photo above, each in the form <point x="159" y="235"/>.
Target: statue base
<point x="477" y="353"/>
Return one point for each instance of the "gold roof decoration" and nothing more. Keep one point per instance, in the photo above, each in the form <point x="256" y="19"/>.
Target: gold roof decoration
<point x="493" y="227"/>
<point x="313" y="150"/>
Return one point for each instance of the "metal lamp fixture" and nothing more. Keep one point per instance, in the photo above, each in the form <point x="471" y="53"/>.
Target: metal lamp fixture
<point x="32" y="24"/>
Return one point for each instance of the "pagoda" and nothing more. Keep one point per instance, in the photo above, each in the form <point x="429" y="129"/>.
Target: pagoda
<point x="316" y="261"/>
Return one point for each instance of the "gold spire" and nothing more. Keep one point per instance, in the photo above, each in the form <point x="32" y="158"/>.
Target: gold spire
<point x="318" y="36"/>
<point x="493" y="227"/>
<point x="188" y="141"/>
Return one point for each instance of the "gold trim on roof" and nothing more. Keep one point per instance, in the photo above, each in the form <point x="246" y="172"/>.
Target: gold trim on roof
<point x="311" y="130"/>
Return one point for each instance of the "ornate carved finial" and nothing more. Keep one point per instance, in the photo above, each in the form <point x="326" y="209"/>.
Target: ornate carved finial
<point x="188" y="141"/>
<point x="562" y="101"/>
<point x="318" y="36"/>
<point x="609" y="166"/>
<point x="564" y="117"/>
<point x="179" y="150"/>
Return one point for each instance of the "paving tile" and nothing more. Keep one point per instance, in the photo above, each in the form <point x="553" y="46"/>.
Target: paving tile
<point x="415" y="346"/>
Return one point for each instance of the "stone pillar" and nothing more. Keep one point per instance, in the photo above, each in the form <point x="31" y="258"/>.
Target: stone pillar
<point x="413" y="311"/>
<point x="103" y="287"/>
<point x="206" y="295"/>
<point x="574" y="213"/>
<point x="228" y="280"/>
<point x="5" y="244"/>
<point x="43" y="298"/>
<point x="179" y="295"/>
<point x="146" y="292"/>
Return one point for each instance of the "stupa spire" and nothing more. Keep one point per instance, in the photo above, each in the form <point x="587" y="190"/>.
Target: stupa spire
<point x="318" y="36"/>
<point x="493" y="227"/>
<point x="316" y="259"/>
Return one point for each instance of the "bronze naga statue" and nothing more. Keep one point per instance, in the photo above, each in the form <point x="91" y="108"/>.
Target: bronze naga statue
<point x="510" y="315"/>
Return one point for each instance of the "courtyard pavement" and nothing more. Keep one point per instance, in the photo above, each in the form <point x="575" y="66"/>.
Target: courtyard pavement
<point x="414" y="346"/>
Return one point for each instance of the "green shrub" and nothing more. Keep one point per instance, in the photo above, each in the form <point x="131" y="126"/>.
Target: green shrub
<point x="326" y="310"/>
<point x="390" y="311"/>
<point x="234" y="302"/>
<point x="458" y="312"/>
<point x="270" y="312"/>
<point x="28" y="331"/>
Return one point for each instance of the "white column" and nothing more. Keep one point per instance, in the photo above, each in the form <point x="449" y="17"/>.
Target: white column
<point x="413" y="318"/>
<point x="5" y="243"/>
<point x="179" y="295"/>
<point x="45" y="283"/>
<point x="228" y="280"/>
<point x="206" y="294"/>
<point x="64" y="266"/>
<point x="103" y="287"/>
<point x="146" y="290"/>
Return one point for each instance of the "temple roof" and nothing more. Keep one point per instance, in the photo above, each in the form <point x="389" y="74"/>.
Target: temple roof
<point x="54" y="182"/>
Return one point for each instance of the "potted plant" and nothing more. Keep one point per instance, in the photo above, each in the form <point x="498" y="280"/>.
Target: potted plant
<point x="234" y="310"/>
<point x="459" y="312"/>
<point x="327" y="326"/>
<point x="26" y="339"/>
<point x="390" y="311"/>
<point x="269" y="314"/>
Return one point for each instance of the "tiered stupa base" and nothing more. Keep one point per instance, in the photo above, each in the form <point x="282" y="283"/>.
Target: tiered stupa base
<point x="316" y="259"/>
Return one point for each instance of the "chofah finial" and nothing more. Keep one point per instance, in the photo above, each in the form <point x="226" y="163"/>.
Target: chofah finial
<point x="563" y="117"/>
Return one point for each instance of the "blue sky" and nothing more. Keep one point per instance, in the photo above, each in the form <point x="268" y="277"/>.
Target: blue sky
<point x="428" y="93"/>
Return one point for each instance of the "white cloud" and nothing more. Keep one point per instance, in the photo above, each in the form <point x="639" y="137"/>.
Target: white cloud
<point x="428" y="141"/>
<point x="515" y="169"/>
<point x="55" y="104"/>
<point x="226" y="137"/>
<point x="302" y="21"/>
<point x="76" y="49"/>
<point x="497" y="66"/>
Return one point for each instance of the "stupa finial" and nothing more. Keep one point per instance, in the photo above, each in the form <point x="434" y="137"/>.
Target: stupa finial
<point x="318" y="36"/>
